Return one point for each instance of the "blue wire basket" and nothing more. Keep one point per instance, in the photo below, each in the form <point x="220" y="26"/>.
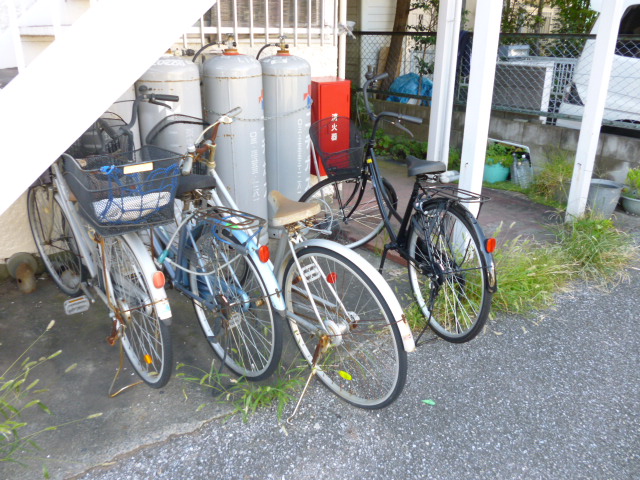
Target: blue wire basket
<point x="124" y="192"/>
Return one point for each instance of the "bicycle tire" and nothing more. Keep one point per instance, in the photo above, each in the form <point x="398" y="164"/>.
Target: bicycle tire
<point x="346" y="217"/>
<point x="54" y="239"/>
<point x="145" y="337"/>
<point x="245" y="333"/>
<point x="457" y="276"/>
<point x="363" y="360"/>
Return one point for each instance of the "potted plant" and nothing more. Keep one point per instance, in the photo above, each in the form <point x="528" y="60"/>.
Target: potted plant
<point x="631" y="192"/>
<point x="499" y="158"/>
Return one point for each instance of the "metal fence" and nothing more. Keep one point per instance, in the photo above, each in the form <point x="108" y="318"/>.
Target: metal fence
<point x="539" y="75"/>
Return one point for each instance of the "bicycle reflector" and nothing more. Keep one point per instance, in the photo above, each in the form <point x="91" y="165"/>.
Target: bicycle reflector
<point x="158" y="280"/>
<point x="490" y="245"/>
<point x="332" y="277"/>
<point x="264" y="254"/>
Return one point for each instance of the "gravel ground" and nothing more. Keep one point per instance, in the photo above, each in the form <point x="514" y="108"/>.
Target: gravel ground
<point x="549" y="397"/>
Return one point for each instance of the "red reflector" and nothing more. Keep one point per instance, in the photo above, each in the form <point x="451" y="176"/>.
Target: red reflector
<point x="158" y="279"/>
<point x="332" y="277"/>
<point x="264" y="254"/>
<point x="491" y="245"/>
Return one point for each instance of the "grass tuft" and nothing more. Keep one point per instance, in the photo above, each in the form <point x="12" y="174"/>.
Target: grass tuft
<point x="247" y="397"/>
<point x="530" y="274"/>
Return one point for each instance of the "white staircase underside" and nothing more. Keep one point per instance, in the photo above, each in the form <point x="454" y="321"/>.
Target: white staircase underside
<point x="76" y="78"/>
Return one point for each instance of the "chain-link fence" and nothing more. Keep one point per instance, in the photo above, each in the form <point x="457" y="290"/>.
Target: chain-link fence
<point x="540" y="75"/>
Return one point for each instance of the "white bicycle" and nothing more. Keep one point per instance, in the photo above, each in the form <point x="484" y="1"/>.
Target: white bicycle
<point x="84" y="214"/>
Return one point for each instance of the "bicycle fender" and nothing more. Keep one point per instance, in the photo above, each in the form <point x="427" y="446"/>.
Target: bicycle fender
<point x="266" y="270"/>
<point x="158" y="295"/>
<point x="377" y="279"/>
<point x="490" y="273"/>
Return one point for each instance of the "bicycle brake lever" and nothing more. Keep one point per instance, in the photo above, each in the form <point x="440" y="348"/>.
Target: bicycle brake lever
<point x="162" y="104"/>
<point x="401" y="127"/>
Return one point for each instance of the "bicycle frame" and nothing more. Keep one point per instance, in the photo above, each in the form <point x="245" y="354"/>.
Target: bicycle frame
<point x="246" y="242"/>
<point x="297" y="243"/>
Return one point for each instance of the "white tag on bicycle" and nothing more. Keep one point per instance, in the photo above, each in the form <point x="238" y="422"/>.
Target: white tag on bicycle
<point x="140" y="167"/>
<point x="310" y="272"/>
<point x="164" y="309"/>
<point x="76" y="305"/>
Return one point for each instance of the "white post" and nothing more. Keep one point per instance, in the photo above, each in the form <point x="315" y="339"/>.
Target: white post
<point x="481" y="76"/>
<point x="594" y="107"/>
<point x="342" y="39"/>
<point x="444" y="79"/>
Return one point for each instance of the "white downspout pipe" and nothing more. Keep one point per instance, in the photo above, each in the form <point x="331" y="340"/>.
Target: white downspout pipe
<point x="444" y="79"/>
<point x="594" y="107"/>
<point x="481" y="76"/>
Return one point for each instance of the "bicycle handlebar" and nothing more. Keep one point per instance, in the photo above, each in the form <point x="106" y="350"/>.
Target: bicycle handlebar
<point x="193" y="151"/>
<point x="373" y="116"/>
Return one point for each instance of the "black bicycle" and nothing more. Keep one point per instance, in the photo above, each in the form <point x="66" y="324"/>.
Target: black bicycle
<point x="450" y="261"/>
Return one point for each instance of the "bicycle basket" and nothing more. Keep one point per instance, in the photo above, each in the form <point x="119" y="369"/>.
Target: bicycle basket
<point x="339" y="144"/>
<point x="127" y="191"/>
<point x="102" y="137"/>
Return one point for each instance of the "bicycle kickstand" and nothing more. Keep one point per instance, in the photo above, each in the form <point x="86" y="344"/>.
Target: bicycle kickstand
<point x="320" y="348"/>
<point x="387" y="247"/>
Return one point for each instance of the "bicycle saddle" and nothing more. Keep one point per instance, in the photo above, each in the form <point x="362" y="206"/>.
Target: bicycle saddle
<point x="289" y="211"/>
<point x="418" y="166"/>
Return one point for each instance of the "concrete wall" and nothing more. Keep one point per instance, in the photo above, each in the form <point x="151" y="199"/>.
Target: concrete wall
<point x="616" y="154"/>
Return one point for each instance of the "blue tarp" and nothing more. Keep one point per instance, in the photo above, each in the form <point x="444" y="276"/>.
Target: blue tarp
<point x="409" y="84"/>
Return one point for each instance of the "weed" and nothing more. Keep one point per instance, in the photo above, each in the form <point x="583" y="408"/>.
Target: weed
<point x="597" y="248"/>
<point x="531" y="273"/>
<point x="553" y="180"/>
<point x="244" y="396"/>
<point x="19" y="398"/>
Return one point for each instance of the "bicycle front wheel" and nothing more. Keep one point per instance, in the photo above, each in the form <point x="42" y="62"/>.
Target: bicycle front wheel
<point x="239" y="322"/>
<point x="447" y="271"/>
<point x="54" y="239"/>
<point x="144" y="336"/>
<point x="350" y="214"/>
<point x="352" y="340"/>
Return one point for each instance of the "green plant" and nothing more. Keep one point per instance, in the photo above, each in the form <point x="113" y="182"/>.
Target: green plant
<point x="246" y="397"/>
<point x="553" y="180"/>
<point x="599" y="250"/>
<point x="531" y="274"/>
<point x="19" y="398"/>
<point x="499" y="153"/>
<point x="633" y="183"/>
<point x="455" y="159"/>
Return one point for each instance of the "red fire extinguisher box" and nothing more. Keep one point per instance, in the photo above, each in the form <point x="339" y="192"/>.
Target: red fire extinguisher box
<point x="331" y="99"/>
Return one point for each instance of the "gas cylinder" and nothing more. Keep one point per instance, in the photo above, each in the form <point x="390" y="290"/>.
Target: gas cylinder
<point x="171" y="75"/>
<point x="287" y="109"/>
<point x="233" y="80"/>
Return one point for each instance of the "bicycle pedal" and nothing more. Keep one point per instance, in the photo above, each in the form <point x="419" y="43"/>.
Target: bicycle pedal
<point x="77" y="305"/>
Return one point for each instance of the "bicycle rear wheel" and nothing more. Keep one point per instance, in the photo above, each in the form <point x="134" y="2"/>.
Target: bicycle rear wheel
<point x="350" y="213"/>
<point x="54" y="239"/>
<point x="448" y="271"/>
<point x="354" y="343"/>
<point x="145" y="337"/>
<point x="242" y="329"/>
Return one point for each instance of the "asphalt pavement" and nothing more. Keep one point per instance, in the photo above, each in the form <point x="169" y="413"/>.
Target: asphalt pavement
<point x="553" y="395"/>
